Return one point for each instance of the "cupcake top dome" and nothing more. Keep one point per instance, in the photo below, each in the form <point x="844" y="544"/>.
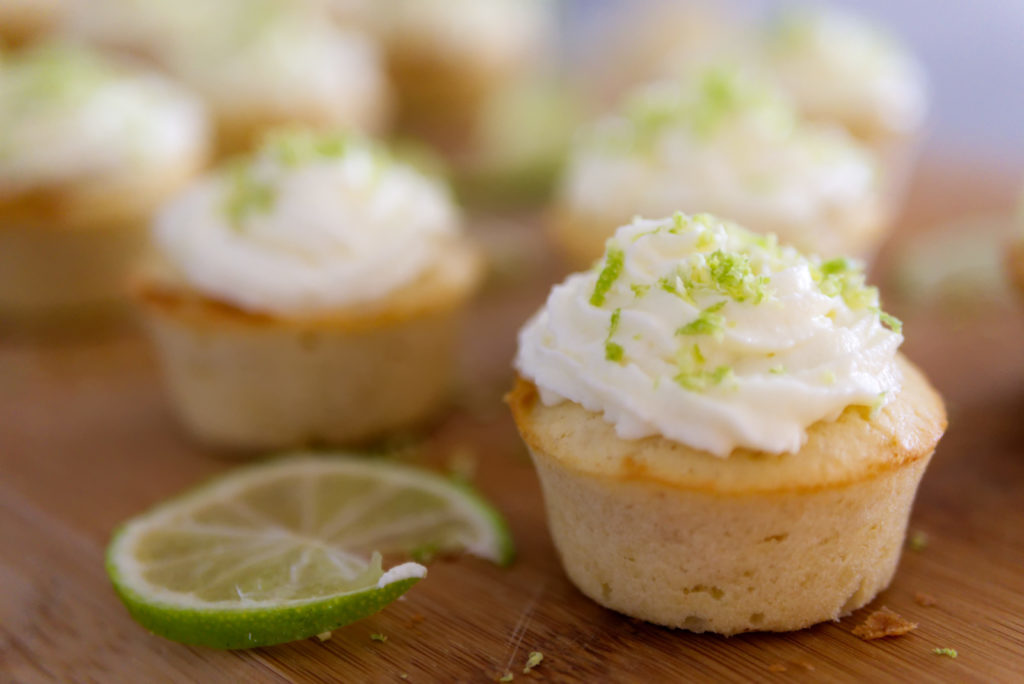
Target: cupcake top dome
<point x="309" y="223"/>
<point x="725" y="141"/>
<point x="69" y="116"/>
<point x="842" y="68"/>
<point x="707" y="334"/>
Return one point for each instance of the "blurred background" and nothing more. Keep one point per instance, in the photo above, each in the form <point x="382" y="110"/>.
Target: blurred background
<point x="973" y="54"/>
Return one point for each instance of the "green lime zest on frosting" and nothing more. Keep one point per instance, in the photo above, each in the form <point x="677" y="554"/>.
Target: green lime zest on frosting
<point x="612" y="351"/>
<point x="777" y="370"/>
<point x="692" y="373"/>
<point x="293" y="148"/>
<point x="613" y="263"/>
<point x="894" y="324"/>
<point x="639" y="289"/>
<point x="246" y="196"/>
<point x="707" y="322"/>
<point x="732" y="275"/>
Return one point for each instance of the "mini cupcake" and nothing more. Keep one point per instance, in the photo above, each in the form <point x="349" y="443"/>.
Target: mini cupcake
<point x="308" y="294"/>
<point x="726" y="435"/>
<point x="840" y="68"/>
<point x="88" y="149"/>
<point x="446" y="58"/>
<point x="258" y="64"/>
<point x="726" y="142"/>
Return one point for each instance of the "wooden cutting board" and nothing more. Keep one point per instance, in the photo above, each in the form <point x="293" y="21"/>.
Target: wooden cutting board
<point x="87" y="440"/>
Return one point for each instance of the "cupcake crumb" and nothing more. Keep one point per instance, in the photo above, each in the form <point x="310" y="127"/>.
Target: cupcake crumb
<point x="883" y="623"/>
<point x="805" y="665"/>
<point x="926" y="600"/>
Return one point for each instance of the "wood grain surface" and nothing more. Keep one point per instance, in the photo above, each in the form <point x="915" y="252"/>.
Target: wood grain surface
<point x="87" y="440"/>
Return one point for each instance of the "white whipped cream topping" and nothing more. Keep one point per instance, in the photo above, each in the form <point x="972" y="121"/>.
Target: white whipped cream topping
<point x="494" y="33"/>
<point x="842" y="68"/>
<point x="283" y="59"/>
<point x="709" y="335"/>
<point x="310" y="224"/>
<point x="67" y="115"/>
<point x="725" y="143"/>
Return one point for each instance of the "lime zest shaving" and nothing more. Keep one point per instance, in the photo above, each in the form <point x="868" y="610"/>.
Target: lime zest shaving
<point x="707" y="322"/>
<point x="613" y="263"/>
<point x="777" y="370"/>
<point x="533" y="661"/>
<point x="893" y="323"/>
<point x="377" y="636"/>
<point x="948" y="652"/>
<point x="692" y="373"/>
<point x="612" y="351"/>
<point x="639" y="289"/>
<point x="507" y="677"/>
<point x="732" y="275"/>
<point x="918" y="541"/>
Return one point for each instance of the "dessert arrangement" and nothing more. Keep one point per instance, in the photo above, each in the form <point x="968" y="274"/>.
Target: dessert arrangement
<point x="726" y="434"/>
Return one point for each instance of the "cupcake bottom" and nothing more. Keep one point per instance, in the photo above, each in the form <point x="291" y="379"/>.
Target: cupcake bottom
<point x="708" y="563"/>
<point x="247" y="381"/>
<point x="752" y="542"/>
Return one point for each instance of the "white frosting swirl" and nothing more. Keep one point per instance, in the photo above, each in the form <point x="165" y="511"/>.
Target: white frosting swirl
<point x="310" y="224"/>
<point x="725" y="143"/>
<point x="711" y="336"/>
<point x="249" y="58"/>
<point x="67" y="115"/>
<point x="841" y="68"/>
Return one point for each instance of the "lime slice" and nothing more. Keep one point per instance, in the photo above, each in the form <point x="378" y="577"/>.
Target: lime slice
<point x="288" y="549"/>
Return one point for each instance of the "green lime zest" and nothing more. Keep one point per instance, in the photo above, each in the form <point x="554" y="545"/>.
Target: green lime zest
<point x="612" y="351"/>
<point x="692" y="373"/>
<point x="893" y="323"/>
<point x="613" y="264"/>
<point x="377" y="636"/>
<point x="532" y="661"/>
<point x="707" y="322"/>
<point x="732" y="275"/>
<point x="948" y="652"/>
<point x="246" y="196"/>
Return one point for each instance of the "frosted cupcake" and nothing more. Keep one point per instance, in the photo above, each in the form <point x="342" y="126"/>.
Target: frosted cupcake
<point x="842" y="69"/>
<point x="723" y="142"/>
<point x="258" y="64"/>
<point x="446" y="58"/>
<point x="88" y="149"/>
<point x="308" y="294"/>
<point x="726" y="435"/>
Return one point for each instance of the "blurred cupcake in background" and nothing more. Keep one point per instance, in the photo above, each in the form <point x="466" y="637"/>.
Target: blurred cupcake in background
<point x="88" y="148"/>
<point x="518" y="147"/>
<point x="308" y="294"/>
<point x="447" y="58"/>
<point x="726" y="142"/>
<point x="843" y="69"/>
<point x="22" y="21"/>
<point x="641" y="42"/>
<point x="258" y="64"/>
